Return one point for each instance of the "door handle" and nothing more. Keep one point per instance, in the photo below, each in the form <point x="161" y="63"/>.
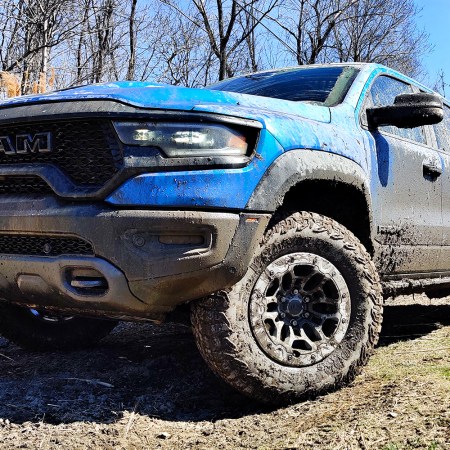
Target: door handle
<point x="431" y="169"/>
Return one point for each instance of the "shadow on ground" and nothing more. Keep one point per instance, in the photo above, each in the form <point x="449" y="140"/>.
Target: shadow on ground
<point x="155" y="371"/>
<point x="407" y="322"/>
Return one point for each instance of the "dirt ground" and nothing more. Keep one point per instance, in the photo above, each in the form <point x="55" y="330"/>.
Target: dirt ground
<point x="147" y="387"/>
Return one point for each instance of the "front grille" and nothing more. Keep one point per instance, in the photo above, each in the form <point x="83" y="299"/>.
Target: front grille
<point x="13" y="244"/>
<point x="85" y="150"/>
<point x="24" y="185"/>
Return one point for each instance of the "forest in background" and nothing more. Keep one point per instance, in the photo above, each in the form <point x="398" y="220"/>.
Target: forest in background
<point x="53" y="44"/>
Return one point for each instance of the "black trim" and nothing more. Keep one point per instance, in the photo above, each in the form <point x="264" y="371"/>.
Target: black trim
<point x="40" y="111"/>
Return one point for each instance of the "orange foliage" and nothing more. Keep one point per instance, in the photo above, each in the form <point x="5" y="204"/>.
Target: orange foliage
<point x="42" y="82"/>
<point x="10" y="83"/>
<point x="51" y="81"/>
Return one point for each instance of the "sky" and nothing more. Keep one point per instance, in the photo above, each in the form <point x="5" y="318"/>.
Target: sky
<point x="435" y="19"/>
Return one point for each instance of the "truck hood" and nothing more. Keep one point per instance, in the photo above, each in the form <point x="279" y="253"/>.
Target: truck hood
<point x="160" y="96"/>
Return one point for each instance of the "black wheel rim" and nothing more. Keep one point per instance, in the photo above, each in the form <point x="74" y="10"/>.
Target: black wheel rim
<point x="299" y="309"/>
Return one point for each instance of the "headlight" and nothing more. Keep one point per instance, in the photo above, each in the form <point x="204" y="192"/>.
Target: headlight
<point x="184" y="140"/>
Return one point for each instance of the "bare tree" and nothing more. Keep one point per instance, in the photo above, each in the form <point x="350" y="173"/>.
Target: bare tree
<point x="308" y="26"/>
<point x="103" y="48"/>
<point x="220" y="21"/>
<point x="46" y="43"/>
<point x="31" y="30"/>
<point x="440" y="84"/>
<point x="185" y="56"/>
<point x="248" y="21"/>
<point x="81" y="39"/>
<point x="382" y="31"/>
<point x="132" y="39"/>
<point x="102" y="43"/>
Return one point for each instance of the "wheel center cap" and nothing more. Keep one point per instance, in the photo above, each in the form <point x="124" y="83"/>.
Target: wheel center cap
<point x="295" y="306"/>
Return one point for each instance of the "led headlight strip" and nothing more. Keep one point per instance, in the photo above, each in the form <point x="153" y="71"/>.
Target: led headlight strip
<point x="184" y="139"/>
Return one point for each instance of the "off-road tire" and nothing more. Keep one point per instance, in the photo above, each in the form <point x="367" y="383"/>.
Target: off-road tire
<point x="33" y="332"/>
<point x="224" y="334"/>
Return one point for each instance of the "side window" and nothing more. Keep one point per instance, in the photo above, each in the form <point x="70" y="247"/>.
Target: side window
<point x="383" y="92"/>
<point x="442" y="131"/>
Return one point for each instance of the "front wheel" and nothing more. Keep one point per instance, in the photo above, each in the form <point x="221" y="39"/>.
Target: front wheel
<point x="303" y="319"/>
<point x="34" y="329"/>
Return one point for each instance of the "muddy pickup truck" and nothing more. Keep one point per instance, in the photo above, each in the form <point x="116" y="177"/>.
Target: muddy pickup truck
<point x="278" y="207"/>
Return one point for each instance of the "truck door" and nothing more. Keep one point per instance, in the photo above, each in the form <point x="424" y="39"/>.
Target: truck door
<point x="442" y="134"/>
<point x="406" y="188"/>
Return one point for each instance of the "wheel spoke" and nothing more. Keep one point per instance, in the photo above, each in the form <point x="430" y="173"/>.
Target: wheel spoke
<point x="305" y="279"/>
<point x="270" y="316"/>
<point x="305" y="338"/>
<point x="321" y="334"/>
<point x="269" y="300"/>
<point x="325" y="299"/>
<point x="330" y="316"/>
<point x="318" y="287"/>
<point x="279" y="327"/>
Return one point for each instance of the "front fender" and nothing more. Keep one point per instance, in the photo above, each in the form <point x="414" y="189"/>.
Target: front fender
<point x="296" y="166"/>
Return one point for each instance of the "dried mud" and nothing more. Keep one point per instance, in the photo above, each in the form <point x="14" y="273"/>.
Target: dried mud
<point x="147" y="387"/>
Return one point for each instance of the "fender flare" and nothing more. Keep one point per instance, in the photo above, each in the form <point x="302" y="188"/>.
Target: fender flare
<point x="295" y="166"/>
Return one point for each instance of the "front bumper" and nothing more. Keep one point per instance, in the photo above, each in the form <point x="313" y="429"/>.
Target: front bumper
<point x="144" y="263"/>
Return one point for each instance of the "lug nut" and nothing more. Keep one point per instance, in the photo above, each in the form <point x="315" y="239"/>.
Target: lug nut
<point x="294" y="323"/>
<point x="282" y="315"/>
<point x="306" y="315"/>
<point x="283" y="299"/>
<point x="295" y="291"/>
<point x="306" y="299"/>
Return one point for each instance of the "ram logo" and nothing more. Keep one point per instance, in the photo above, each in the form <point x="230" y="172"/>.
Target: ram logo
<point x="26" y="143"/>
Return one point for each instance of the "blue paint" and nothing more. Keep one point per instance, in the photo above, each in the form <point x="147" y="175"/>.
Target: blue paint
<point x="384" y="158"/>
<point x="217" y="188"/>
<point x="160" y="96"/>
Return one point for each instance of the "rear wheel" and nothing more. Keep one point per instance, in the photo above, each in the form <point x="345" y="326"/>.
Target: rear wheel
<point x="304" y="318"/>
<point x="35" y="329"/>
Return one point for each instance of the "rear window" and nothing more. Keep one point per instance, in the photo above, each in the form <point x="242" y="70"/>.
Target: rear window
<point x="323" y="85"/>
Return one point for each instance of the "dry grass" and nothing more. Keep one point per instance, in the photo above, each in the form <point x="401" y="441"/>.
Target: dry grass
<point x="10" y="83"/>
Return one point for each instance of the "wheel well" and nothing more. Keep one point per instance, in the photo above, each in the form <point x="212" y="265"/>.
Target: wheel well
<point x="340" y="201"/>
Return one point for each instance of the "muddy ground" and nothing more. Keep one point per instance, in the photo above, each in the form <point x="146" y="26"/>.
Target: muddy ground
<point x="147" y="387"/>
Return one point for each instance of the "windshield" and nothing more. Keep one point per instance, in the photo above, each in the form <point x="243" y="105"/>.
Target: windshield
<point x="324" y="85"/>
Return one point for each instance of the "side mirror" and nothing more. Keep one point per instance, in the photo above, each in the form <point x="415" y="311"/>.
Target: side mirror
<point x="408" y="111"/>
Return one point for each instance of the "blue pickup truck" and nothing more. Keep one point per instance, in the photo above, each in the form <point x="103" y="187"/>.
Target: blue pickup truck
<point x="278" y="207"/>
